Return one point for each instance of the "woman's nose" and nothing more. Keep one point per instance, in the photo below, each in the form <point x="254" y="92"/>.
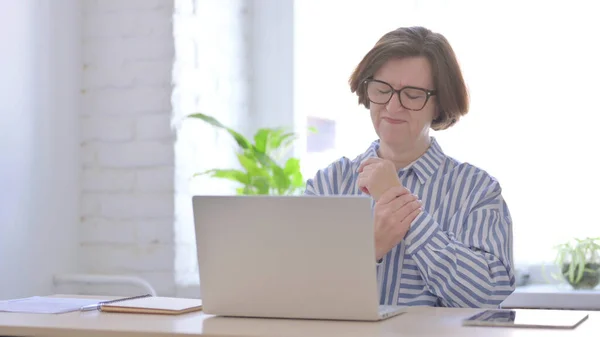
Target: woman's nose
<point x="393" y="104"/>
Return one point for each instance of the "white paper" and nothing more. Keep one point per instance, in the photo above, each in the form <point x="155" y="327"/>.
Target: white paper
<point x="45" y="305"/>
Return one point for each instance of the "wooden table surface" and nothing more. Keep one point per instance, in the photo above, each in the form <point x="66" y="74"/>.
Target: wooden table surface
<point x="417" y="321"/>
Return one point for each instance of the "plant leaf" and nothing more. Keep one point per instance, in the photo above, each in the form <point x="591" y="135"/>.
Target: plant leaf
<point x="282" y="181"/>
<point x="231" y="174"/>
<point x="240" y="140"/>
<point x="263" y="158"/>
<point x="292" y="165"/>
<point x="571" y="272"/>
<point x="260" y="139"/>
<point x="292" y="170"/>
<point x="245" y="190"/>
<point x="249" y="164"/>
<point x="580" y="266"/>
<point x="282" y="140"/>
<point x="297" y="180"/>
<point x="262" y="184"/>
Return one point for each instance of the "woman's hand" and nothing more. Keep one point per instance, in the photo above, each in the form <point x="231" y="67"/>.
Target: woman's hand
<point x="394" y="212"/>
<point x="376" y="176"/>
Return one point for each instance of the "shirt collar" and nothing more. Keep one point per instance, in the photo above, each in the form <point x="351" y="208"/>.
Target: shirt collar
<point x="424" y="167"/>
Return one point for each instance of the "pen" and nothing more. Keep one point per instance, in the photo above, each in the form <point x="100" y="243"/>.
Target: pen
<point x="99" y="305"/>
<point x="91" y="307"/>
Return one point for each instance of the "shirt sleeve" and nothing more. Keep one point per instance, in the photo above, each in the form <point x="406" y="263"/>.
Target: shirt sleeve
<point x="470" y="267"/>
<point x="331" y="180"/>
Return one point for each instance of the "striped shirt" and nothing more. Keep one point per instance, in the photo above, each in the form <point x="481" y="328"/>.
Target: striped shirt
<point x="458" y="251"/>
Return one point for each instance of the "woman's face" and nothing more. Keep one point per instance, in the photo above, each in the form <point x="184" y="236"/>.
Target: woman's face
<point x="396" y="125"/>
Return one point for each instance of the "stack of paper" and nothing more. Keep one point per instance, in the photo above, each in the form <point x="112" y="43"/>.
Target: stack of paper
<point x="45" y="305"/>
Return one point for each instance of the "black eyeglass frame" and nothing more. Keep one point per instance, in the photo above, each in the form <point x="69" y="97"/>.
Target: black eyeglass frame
<point x="428" y="93"/>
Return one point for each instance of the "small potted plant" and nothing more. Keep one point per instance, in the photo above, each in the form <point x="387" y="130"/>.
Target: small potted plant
<point x="264" y="169"/>
<point x="579" y="262"/>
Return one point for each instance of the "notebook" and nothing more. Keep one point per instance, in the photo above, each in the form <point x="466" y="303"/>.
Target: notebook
<point x="153" y="305"/>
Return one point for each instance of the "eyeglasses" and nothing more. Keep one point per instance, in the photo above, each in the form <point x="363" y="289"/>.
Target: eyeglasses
<point x="411" y="98"/>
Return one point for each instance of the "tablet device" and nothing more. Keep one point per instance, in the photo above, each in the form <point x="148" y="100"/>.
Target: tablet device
<point x="527" y="318"/>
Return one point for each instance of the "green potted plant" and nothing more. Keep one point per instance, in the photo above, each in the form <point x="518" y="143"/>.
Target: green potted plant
<point x="263" y="169"/>
<point x="579" y="262"/>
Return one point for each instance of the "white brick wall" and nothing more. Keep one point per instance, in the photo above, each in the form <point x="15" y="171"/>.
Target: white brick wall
<point x="136" y="215"/>
<point x="127" y="147"/>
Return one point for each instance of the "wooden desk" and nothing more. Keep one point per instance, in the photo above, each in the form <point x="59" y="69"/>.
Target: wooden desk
<point x="418" y="321"/>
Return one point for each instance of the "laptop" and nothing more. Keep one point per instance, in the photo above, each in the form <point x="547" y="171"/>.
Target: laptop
<point x="302" y="257"/>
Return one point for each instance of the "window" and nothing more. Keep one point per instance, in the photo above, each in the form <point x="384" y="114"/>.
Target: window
<point x="532" y="70"/>
<point x="210" y="75"/>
